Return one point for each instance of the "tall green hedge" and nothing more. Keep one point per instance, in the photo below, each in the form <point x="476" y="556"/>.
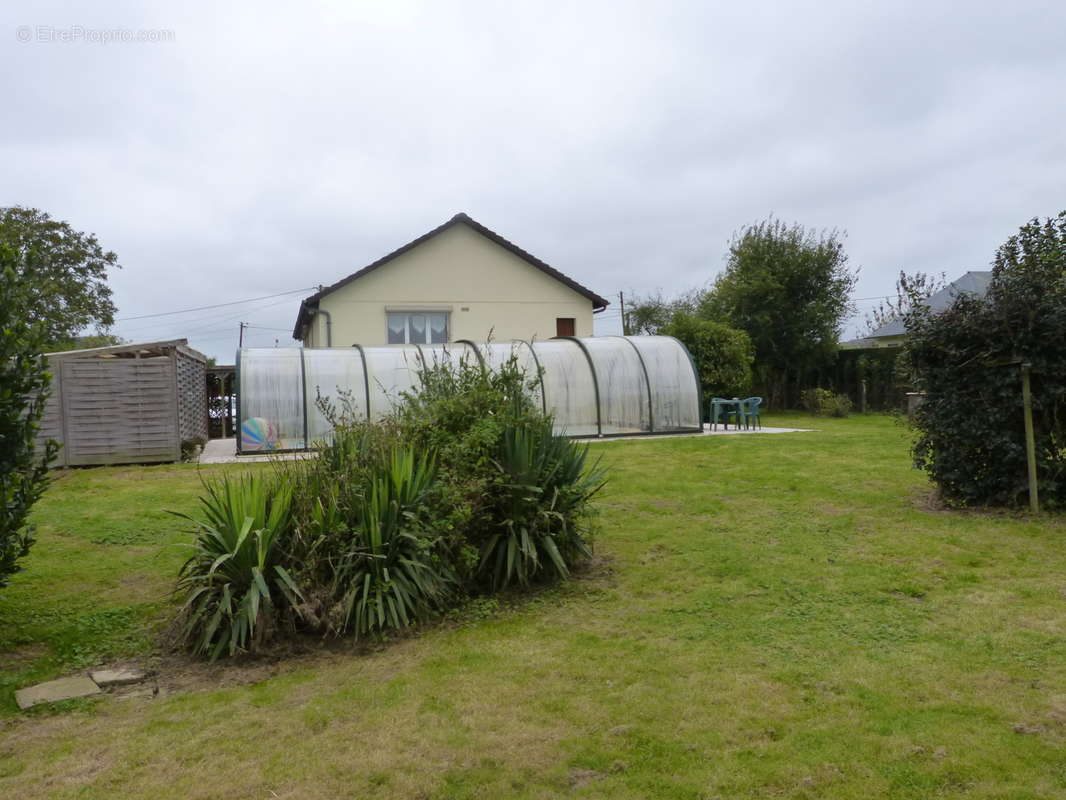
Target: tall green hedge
<point x="723" y="355"/>
<point x="24" y="385"/>
<point x="971" y="436"/>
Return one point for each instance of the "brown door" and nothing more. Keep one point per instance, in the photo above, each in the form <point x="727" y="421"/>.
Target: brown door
<point x="564" y="326"/>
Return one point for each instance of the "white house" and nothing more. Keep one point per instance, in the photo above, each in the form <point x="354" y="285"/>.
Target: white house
<point x="459" y="281"/>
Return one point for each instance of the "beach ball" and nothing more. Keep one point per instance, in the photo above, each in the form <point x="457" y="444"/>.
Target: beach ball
<point x="258" y="434"/>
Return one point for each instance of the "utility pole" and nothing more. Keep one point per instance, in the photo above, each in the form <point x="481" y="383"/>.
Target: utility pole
<point x="240" y="338"/>
<point x="622" y="304"/>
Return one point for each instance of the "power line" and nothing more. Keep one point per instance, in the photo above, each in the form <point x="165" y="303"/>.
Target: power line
<point x="216" y="305"/>
<point x="209" y="319"/>
<point x="208" y="323"/>
<point x="234" y="316"/>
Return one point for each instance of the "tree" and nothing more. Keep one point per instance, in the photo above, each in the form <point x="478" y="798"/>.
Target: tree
<point x="647" y="316"/>
<point x="910" y="290"/>
<point x="66" y="282"/>
<point x="967" y="359"/>
<point x="789" y="289"/>
<point x="722" y="354"/>
<point x="24" y="384"/>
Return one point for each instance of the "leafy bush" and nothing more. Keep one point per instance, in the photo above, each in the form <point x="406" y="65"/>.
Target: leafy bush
<point x="466" y="488"/>
<point x="235" y="582"/>
<point x="461" y="412"/>
<point x="967" y="360"/>
<point x="723" y="355"/>
<point x="191" y="448"/>
<point x="823" y="403"/>
<point x="387" y="576"/>
<point x="517" y="494"/>
<point x="24" y="382"/>
<point x="538" y="519"/>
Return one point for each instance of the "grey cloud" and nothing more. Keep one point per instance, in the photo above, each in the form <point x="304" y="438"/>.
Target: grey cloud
<point x="269" y="148"/>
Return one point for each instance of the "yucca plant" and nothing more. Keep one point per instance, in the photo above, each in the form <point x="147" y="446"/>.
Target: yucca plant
<point x="234" y="584"/>
<point x="389" y="577"/>
<point x="540" y="524"/>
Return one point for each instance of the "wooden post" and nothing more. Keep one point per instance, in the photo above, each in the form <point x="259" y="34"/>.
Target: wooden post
<point x="1030" y="443"/>
<point x="622" y="305"/>
<point x="862" y="396"/>
<point x="177" y="403"/>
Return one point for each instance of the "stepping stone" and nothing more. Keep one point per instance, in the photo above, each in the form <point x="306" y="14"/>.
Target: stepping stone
<point x="54" y="691"/>
<point x="117" y="677"/>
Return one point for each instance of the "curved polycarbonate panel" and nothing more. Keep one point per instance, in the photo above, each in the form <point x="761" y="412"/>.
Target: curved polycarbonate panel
<point x="271" y="400"/>
<point x="392" y="370"/>
<point x="569" y="387"/>
<point x="334" y="382"/>
<point x="496" y="354"/>
<point x="611" y="385"/>
<point x="675" y="391"/>
<point x="454" y="353"/>
<point x="625" y="405"/>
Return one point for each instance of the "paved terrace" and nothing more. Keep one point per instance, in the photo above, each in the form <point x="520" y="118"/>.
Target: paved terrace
<point x="224" y="451"/>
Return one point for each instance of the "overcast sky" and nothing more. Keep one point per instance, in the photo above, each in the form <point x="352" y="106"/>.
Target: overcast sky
<point x="255" y="151"/>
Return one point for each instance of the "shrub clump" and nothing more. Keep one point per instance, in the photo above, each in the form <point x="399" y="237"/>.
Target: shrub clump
<point x="24" y="387"/>
<point x="234" y="583"/>
<point x="823" y="403"/>
<point x="967" y="360"/>
<point x="464" y="490"/>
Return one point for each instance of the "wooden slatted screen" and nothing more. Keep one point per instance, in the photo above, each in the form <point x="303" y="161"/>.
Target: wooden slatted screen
<point x="119" y="411"/>
<point x="192" y="396"/>
<point x="52" y="420"/>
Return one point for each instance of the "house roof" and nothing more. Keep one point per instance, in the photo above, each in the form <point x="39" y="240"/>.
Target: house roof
<point x="304" y="316"/>
<point x="970" y="283"/>
<point x="973" y="282"/>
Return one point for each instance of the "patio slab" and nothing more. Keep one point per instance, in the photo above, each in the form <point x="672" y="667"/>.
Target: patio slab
<point x="54" y="691"/>
<point x="706" y="432"/>
<point x="119" y="676"/>
<point x="224" y="451"/>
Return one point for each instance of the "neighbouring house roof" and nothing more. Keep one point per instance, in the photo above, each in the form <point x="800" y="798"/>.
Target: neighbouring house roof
<point x="310" y="303"/>
<point x="973" y="282"/>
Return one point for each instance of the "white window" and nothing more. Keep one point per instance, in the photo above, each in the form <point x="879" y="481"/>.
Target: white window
<point x="417" y="327"/>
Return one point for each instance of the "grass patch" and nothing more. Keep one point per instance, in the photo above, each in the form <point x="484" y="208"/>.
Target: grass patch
<point x="767" y="616"/>
<point x="96" y="585"/>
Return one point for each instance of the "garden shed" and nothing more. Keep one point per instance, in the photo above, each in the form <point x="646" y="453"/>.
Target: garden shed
<point x="127" y="404"/>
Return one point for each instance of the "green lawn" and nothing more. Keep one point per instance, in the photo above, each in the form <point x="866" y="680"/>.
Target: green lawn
<point x="771" y="616"/>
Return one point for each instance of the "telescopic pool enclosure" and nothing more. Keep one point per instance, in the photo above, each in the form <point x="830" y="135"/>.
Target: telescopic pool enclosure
<point x="595" y="386"/>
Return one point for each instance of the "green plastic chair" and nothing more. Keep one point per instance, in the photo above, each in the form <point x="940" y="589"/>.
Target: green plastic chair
<point x="751" y="411"/>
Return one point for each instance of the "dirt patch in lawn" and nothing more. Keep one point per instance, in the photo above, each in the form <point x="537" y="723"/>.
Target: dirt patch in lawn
<point x="172" y="670"/>
<point x="21" y="657"/>
<point x="929" y="500"/>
